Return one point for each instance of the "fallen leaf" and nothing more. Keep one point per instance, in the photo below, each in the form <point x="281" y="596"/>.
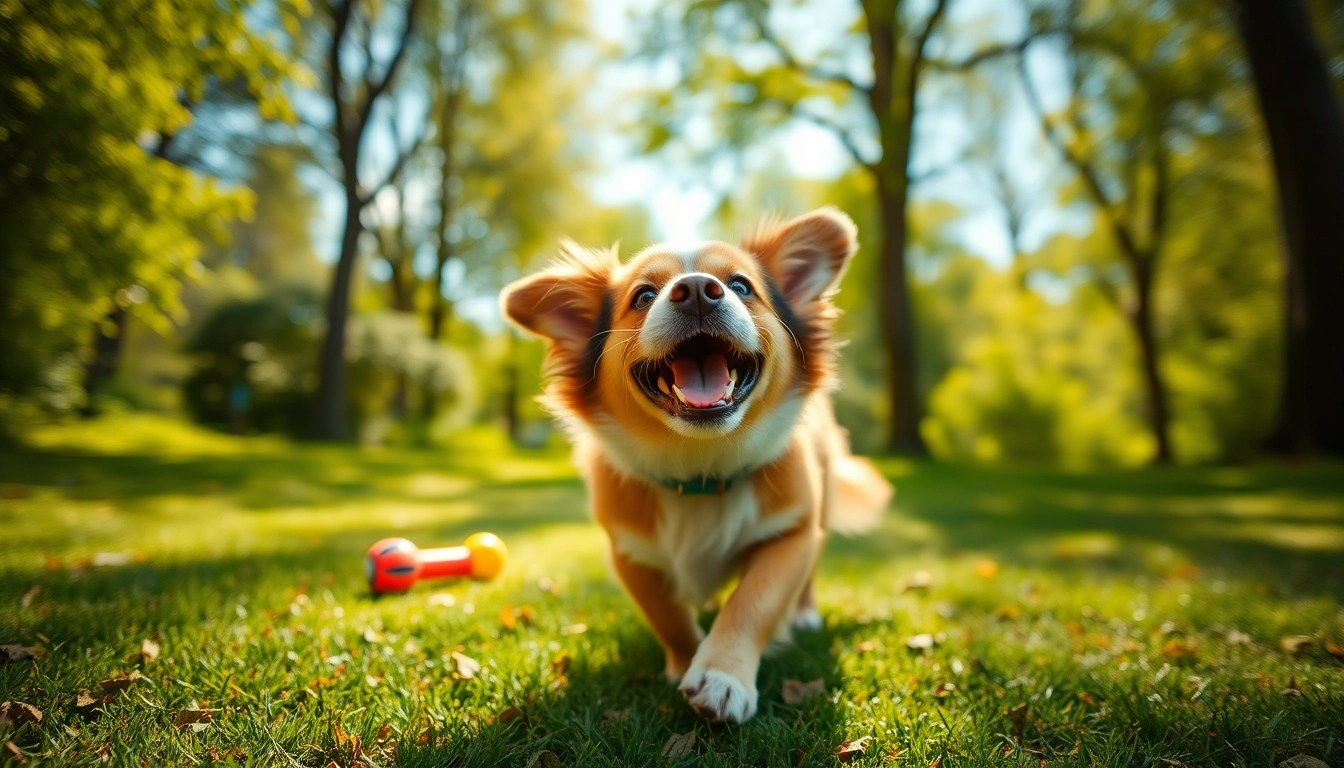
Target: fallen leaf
<point x="851" y="750"/>
<point x="560" y="665"/>
<point x="937" y="763"/>
<point x="1296" y="644"/>
<point x="1302" y="761"/>
<point x="679" y="745"/>
<point x="509" y="715"/>
<point x="195" y="719"/>
<point x="17" y="713"/>
<point x="149" y="651"/>
<point x="1178" y="649"/>
<point x="616" y="715"/>
<point x="13" y="749"/>
<point x="1018" y="717"/>
<point x="917" y="580"/>
<point x="922" y="642"/>
<point x="118" y="682"/>
<point x="867" y="646"/>
<point x="30" y="596"/>
<point x="13" y="653"/>
<point x="384" y="732"/>
<point x="943" y="689"/>
<point x="544" y="759"/>
<point x="507" y="618"/>
<point x="526" y="615"/>
<point x="1334" y="650"/>
<point x="574" y="629"/>
<point x="442" y="599"/>
<point x="1086" y="698"/>
<point x="347" y="742"/>
<point x="986" y="569"/>
<point x="1292" y="689"/>
<point x="795" y="691"/>
<point x="467" y="667"/>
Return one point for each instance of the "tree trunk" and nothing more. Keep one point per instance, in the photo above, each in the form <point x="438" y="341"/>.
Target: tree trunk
<point x="1155" y="392"/>
<point x="1306" y="138"/>
<point x="898" y="331"/>
<point x="331" y="421"/>
<point x="106" y="357"/>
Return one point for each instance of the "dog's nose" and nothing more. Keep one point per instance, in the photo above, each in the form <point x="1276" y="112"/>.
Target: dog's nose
<point x="696" y="294"/>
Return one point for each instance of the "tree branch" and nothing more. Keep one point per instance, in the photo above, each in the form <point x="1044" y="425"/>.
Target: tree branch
<point x="379" y="85"/>
<point x="793" y="63"/>
<point x="839" y="132"/>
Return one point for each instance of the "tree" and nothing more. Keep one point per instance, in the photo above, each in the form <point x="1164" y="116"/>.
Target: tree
<point x="97" y="222"/>
<point x="1306" y="137"/>
<point x="823" y="92"/>
<point x="1136" y="95"/>
<point x="355" y="86"/>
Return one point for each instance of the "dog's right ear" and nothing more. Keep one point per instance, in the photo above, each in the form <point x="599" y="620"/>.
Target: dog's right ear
<point x="562" y="302"/>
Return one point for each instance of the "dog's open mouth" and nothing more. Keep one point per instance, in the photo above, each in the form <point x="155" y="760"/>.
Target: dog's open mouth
<point x="704" y="378"/>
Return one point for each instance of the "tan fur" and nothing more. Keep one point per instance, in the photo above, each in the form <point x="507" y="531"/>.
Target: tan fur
<point x="795" y="474"/>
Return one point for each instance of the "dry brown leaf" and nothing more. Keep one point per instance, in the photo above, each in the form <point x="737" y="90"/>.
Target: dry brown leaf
<point x="118" y="682"/>
<point x="986" y="569"/>
<point x="347" y="742"/>
<point x="1296" y="644"/>
<point x="917" y="580"/>
<point x="544" y="759"/>
<point x="507" y="618"/>
<point x="921" y="642"/>
<point x="851" y="750"/>
<point x="196" y="719"/>
<point x="1334" y="650"/>
<point x="1086" y="698"/>
<point x="17" y="713"/>
<point x="943" y="689"/>
<point x="867" y="646"/>
<point x="937" y="763"/>
<point x="12" y="653"/>
<point x="30" y="596"/>
<point x="1178" y="649"/>
<point x="1302" y="761"/>
<point x="149" y="651"/>
<point x="384" y="732"/>
<point x="509" y="715"/>
<point x="679" y="745"/>
<point x="14" y="750"/>
<point x="467" y="667"/>
<point x="560" y="665"/>
<point x="616" y="715"/>
<point x="795" y="691"/>
<point x="1018" y="717"/>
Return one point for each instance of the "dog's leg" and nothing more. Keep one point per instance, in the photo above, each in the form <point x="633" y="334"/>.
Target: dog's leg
<point x="721" y="681"/>
<point x="805" y="614"/>
<point x="672" y="621"/>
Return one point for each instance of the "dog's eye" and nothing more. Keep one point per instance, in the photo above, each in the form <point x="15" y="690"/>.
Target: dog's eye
<point x="740" y="286"/>
<point x="643" y="298"/>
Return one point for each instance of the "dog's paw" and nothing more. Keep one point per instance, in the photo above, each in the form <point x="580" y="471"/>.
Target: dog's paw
<point x="717" y="694"/>
<point x="808" y="620"/>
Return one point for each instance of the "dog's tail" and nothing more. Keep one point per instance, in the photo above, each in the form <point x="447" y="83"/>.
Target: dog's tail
<point x="859" y="494"/>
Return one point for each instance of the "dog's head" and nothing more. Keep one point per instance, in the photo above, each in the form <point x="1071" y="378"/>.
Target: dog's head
<point x="699" y="341"/>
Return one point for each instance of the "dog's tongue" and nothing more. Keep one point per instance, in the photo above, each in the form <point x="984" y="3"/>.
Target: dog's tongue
<point x="702" y="381"/>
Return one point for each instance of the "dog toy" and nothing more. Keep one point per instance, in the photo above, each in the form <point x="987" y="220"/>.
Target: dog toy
<point x="395" y="565"/>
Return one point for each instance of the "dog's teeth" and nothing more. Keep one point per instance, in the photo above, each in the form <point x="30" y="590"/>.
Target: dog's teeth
<point x="732" y="376"/>
<point x="728" y="393"/>
<point x="680" y="396"/>
<point x="663" y="386"/>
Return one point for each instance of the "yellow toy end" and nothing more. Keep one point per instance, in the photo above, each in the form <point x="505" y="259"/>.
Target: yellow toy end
<point x="488" y="555"/>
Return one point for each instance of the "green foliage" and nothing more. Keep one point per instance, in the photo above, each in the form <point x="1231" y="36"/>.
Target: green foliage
<point x="88" y="94"/>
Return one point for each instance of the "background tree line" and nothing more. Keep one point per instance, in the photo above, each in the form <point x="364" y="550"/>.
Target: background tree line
<point x="276" y="215"/>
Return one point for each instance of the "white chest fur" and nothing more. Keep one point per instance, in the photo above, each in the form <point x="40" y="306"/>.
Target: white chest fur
<point x="701" y="537"/>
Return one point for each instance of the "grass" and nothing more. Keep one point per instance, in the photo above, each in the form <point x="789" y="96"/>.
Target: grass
<point x="1106" y="619"/>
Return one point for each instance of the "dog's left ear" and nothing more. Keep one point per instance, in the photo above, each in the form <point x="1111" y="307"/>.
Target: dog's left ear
<point x="807" y="256"/>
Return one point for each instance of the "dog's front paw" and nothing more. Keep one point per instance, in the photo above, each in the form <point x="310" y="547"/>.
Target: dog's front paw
<point x="808" y="620"/>
<point x="718" y="694"/>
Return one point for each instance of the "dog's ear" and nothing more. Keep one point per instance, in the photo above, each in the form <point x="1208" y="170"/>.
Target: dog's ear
<point x="562" y="302"/>
<point x="807" y="256"/>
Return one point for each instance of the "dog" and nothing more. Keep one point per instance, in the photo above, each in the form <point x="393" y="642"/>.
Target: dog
<point x="695" y="383"/>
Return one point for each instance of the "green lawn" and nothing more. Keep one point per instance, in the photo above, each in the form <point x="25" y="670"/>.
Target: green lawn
<point x="1118" y="619"/>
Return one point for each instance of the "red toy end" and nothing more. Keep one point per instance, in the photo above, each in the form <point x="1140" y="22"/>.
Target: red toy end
<point x="392" y="565"/>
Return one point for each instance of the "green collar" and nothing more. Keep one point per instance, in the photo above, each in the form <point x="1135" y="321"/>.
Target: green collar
<point x="704" y="486"/>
